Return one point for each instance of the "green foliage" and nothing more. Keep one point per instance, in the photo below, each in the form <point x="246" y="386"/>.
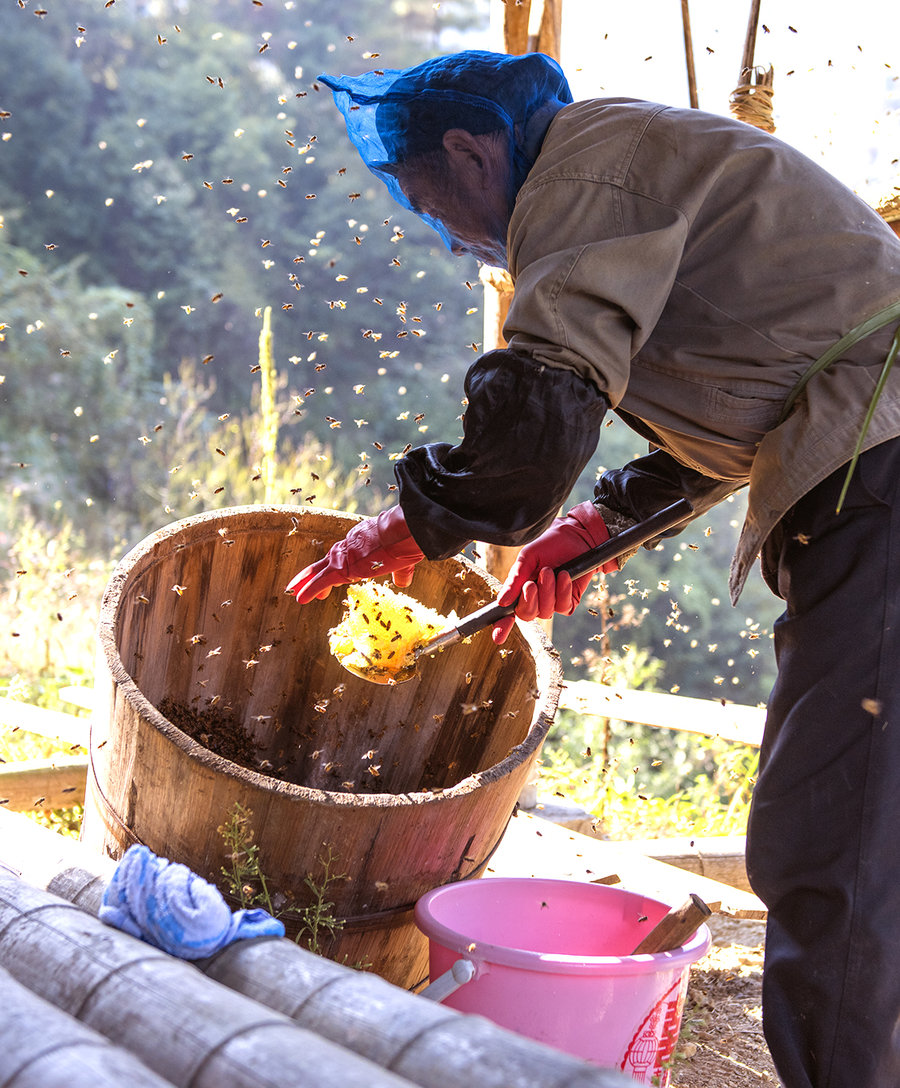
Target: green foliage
<point x="75" y="362"/>
<point x="194" y="458"/>
<point x="205" y="163"/>
<point x="244" y="879"/>
<point x="318" y="923"/>
<point x="49" y="599"/>
<point x="656" y="785"/>
<point x="640" y="781"/>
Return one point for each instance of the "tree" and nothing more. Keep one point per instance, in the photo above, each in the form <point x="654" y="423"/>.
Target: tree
<point x="185" y="152"/>
<point x="75" y="361"/>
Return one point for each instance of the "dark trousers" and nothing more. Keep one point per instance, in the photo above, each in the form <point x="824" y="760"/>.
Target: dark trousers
<point x="823" y="848"/>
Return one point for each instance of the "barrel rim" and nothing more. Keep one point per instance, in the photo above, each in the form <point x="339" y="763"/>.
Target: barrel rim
<point x="548" y="667"/>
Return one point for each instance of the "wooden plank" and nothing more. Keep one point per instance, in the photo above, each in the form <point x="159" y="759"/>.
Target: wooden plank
<point x="78" y="695"/>
<point x="720" y="857"/>
<point x="58" y="782"/>
<point x="45" y="723"/>
<point x="728" y="721"/>
<point x="535" y="847"/>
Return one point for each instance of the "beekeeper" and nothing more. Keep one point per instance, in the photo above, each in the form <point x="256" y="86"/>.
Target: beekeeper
<point x="737" y="307"/>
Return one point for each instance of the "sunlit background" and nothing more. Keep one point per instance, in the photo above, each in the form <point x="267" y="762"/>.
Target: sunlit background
<point x="170" y="171"/>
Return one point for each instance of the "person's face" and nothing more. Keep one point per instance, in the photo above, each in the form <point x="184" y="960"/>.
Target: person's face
<point x="469" y="197"/>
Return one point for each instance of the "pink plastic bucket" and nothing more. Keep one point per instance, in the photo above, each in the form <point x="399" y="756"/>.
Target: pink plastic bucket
<point x="550" y="960"/>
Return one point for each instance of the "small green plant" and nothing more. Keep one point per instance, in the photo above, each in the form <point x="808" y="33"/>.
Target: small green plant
<point x="317" y="918"/>
<point x="244" y="878"/>
<point x="246" y="882"/>
<point x="620" y="791"/>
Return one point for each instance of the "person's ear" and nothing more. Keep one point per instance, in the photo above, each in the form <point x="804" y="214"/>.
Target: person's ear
<point x="467" y="154"/>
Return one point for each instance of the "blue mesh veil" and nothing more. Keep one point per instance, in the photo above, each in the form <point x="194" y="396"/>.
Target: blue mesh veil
<point x="397" y="118"/>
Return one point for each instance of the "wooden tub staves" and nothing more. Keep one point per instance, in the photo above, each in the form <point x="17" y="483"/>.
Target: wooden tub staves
<point x="407" y="787"/>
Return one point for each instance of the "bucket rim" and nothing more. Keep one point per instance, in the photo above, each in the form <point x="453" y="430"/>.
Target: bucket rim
<point x="499" y="955"/>
<point x="547" y="664"/>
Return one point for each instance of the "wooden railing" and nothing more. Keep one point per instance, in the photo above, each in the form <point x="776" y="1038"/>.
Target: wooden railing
<point x="713" y="718"/>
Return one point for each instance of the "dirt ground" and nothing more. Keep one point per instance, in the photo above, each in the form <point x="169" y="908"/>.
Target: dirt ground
<point x="722" y="1044"/>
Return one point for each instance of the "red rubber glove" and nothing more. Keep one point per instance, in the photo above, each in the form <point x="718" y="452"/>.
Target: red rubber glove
<point x="376" y="546"/>
<point x="531" y="579"/>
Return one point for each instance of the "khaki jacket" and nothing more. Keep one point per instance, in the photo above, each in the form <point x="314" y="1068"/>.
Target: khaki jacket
<point x="693" y="268"/>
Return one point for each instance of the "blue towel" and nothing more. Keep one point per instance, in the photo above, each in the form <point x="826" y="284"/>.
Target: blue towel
<point x="172" y="908"/>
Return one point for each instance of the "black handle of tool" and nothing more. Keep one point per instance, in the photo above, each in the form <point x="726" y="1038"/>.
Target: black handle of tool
<point x="589" y="561"/>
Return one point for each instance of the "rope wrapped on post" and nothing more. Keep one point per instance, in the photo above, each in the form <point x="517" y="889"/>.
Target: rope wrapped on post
<point x="752" y="100"/>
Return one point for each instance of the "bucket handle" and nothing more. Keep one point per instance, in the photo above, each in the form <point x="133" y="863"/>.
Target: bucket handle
<point x="449" y="982"/>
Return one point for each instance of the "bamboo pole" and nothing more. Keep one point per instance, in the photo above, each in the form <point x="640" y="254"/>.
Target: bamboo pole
<point x="184" y="1026"/>
<point x="752" y="99"/>
<point x="750" y="37"/>
<point x="518" y="27"/>
<point x="689" y="54"/>
<point x="41" y="1046"/>
<point x="423" y="1042"/>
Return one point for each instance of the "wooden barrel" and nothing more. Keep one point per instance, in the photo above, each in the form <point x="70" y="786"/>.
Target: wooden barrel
<point x="406" y="787"/>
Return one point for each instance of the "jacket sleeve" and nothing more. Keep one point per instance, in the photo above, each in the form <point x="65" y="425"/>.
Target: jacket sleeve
<point x="529" y="430"/>
<point x="593" y="272"/>
<point x="629" y="494"/>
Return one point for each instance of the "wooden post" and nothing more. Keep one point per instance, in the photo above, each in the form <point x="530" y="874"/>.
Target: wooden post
<point x="689" y="54"/>
<point x="675" y="928"/>
<point x="750" y="38"/>
<point x="498" y="292"/>
<point x="751" y="101"/>
<point x="529" y="26"/>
